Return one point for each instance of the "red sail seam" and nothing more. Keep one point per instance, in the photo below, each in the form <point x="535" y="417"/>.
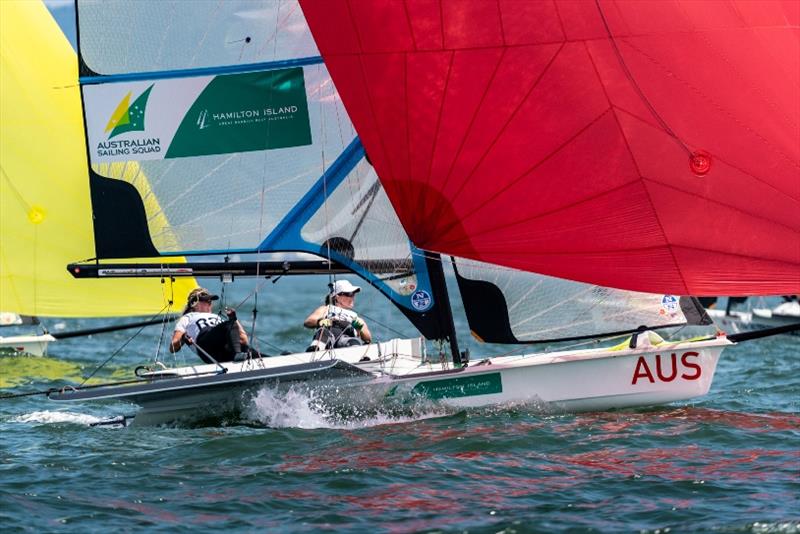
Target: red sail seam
<point x="719" y="203"/>
<point x="388" y="167"/>
<point x="421" y="198"/>
<point x="516" y="180"/>
<point x="653" y="209"/>
<point x="711" y="102"/>
<point x="475" y="114"/>
<point x="502" y="130"/>
<point x="560" y="21"/>
<point x="488" y="230"/>
<point x="645" y="249"/>
<point x="718" y="158"/>
<point x="500" y="20"/>
<point x="635" y="85"/>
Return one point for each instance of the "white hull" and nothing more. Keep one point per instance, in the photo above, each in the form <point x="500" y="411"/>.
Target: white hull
<point x="30" y="345"/>
<point x="584" y="380"/>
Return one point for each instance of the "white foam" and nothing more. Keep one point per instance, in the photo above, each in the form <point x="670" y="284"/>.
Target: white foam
<point x="289" y="409"/>
<point x="47" y="417"/>
<point x="300" y="408"/>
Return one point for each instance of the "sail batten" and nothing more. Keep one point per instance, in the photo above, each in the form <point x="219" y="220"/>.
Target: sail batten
<point x="204" y="71"/>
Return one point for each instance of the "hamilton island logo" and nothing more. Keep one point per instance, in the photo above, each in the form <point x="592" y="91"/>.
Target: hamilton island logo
<point x="244" y="116"/>
<point x="128" y="117"/>
<point x="421" y="300"/>
<point x="202" y="120"/>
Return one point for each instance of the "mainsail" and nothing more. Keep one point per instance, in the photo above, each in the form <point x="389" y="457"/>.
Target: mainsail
<point x="508" y="306"/>
<point x="45" y="216"/>
<point x="650" y="146"/>
<point x="244" y="142"/>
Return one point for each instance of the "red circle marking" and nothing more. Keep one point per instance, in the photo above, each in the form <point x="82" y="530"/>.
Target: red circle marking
<point x="700" y="162"/>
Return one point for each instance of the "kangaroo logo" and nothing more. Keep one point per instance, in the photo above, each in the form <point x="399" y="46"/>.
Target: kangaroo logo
<point x="128" y="117"/>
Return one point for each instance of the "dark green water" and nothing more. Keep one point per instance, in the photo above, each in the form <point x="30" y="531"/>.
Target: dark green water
<point x="728" y="462"/>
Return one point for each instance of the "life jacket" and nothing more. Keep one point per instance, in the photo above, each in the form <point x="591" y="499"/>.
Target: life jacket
<point x="341" y="317"/>
<point x="340" y="334"/>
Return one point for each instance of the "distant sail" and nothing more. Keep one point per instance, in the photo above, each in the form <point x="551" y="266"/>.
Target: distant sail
<point x="45" y="212"/>
<point x="650" y="146"/>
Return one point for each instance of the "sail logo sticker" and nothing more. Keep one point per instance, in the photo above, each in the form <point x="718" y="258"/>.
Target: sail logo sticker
<point x="243" y="112"/>
<point x="472" y="386"/>
<point x="128" y="117"/>
<point x="202" y="123"/>
<point x="197" y="116"/>
<point x="670" y="305"/>
<point x="407" y="286"/>
<point x="421" y="300"/>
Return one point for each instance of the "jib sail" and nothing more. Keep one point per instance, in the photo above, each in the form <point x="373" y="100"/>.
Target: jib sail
<point x="230" y="114"/>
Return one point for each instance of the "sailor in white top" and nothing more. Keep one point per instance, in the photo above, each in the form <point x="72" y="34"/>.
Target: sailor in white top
<point x="336" y="323"/>
<point x="218" y="340"/>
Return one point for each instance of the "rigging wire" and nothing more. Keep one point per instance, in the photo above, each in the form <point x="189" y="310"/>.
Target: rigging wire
<point x="160" y="312"/>
<point x="170" y="303"/>
<point x="331" y="276"/>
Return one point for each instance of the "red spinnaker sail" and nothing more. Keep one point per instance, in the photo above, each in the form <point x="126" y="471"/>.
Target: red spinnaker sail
<point x="651" y="146"/>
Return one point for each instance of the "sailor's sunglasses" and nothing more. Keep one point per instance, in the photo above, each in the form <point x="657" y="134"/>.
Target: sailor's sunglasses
<point x="347" y="294"/>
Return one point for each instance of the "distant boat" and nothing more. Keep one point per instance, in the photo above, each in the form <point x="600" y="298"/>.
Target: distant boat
<point x="33" y="345"/>
<point x="45" y="213"/>
<point x="547" y="147"/>
<point x="735" y="320"/>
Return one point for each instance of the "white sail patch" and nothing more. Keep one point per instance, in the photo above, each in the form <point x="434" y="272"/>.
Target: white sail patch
<point x="164" y="110"/>
<point x="198" y="116"/>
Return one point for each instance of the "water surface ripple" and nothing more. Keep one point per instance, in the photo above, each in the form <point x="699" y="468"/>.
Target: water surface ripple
<point x="729" y="462"/>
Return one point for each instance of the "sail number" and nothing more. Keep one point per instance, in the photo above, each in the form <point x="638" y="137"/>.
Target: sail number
<point x="667" y="371"/>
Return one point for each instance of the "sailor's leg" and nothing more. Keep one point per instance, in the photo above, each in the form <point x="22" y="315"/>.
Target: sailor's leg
<point x="209" y="342"/>
<point x="323" y="340"/>
<point x="234" y="341"/>
<point x="347" y="341"/>
<point x="219" y="342"/>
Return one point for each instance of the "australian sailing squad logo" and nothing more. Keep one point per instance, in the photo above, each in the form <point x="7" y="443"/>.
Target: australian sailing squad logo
<point x="126" y="118"/>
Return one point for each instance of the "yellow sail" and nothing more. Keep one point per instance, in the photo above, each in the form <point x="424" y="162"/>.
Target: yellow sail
<point x="45" y="208"/>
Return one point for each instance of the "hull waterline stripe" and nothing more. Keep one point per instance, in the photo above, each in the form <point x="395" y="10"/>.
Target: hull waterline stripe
<point x="197" y="383"/>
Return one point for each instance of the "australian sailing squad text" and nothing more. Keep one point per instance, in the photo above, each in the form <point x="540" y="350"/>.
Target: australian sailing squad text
<point x="124" y="147"/>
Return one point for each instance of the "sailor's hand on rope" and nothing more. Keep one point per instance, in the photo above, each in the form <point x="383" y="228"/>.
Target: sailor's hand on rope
<point x="188" y="340"/>
<point x="357" y="324"/>
<point x="231" y="314"/>
<point x="324" y="323"/>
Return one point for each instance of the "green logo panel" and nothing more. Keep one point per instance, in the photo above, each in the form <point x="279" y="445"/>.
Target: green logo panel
<point x="245" y="112"/>
<point x="460" y="387"/>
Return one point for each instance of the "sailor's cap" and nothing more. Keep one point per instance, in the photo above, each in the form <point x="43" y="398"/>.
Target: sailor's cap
<point x="344" y="286"/>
